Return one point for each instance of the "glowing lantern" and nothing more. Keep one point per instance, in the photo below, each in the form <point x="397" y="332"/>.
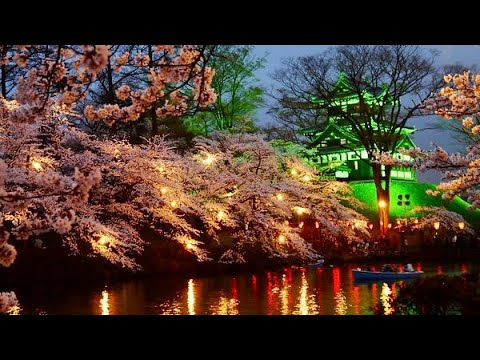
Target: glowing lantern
<point x="279" y="197"/>
<point x="382" y="204"/>
<point x="301" y="225"/>
<point x="294" y="172"/>
<point x="220" y="215"/>
<point x="163" y="190"/>
<point x="461" y="225"/>
<point x="436" y="225"/>
<point x="208" y="160"/>
<point x="173" y="204"/>
<point x="282" y="239"/>
<point x="299" y="210"/>
<point x="306" y="178"/>
<point x="36" y="165"/>
<point x="317" y="224"/>
<point x="104" y="240"/>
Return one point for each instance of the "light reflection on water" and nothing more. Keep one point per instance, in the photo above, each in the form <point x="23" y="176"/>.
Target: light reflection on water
<point x="104" y="305"/>
<point x="299" y="291"/>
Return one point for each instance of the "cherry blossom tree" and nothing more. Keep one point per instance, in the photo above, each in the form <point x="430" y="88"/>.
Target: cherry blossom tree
<point x="44" y="185"/>
<point x="459" y="101"/>
<point x="448" y="219"/>
<point x="254" y="193"/>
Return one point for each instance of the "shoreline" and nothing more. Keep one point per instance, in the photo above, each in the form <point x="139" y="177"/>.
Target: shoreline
<point x="88" y="272"/>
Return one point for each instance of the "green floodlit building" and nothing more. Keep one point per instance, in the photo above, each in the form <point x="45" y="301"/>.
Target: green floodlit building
<point x="335" y="149"/>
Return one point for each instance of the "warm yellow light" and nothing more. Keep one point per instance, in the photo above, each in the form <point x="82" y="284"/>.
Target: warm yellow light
<point x="385" y="297"/>
<point x="174" y="204"/>
<point x="282" y="239"/>
<point x="461" y="225"/>
<point x="209" y="160"/>
<point x="389" y="226"/>
<point x="36" y="165"/>
<point x="317" y="225"/>
<point x="163" y="190"/>
<point x="161" y="168"/>
<point x="279" y="197"/>
<point x="436" y="225"/>
<point x="191" y="297"/>
<point x="415" y="221"/>
<point x="189" y="246"/>
<point x="306" y="178"/>
<point x="299" y="210"/>
<point x="294" y="172"/>
<point x="382" y="204"/>
<point x="301" y="224"/>
<point x="220" y="215"/>
<point x="370" y="226"/>
<point x="104" y="240"/>
<point x="104" y="305"/>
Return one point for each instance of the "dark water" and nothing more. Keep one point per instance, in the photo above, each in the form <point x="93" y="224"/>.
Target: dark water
<point x="327" y="290"/>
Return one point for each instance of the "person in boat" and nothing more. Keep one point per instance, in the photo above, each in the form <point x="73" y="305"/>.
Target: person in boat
<point x="389" y="268"/>
<point x="408" y="267"/>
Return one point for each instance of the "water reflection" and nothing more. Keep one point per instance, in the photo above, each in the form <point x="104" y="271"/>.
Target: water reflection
<point x="302" y="291"/>
<point x="225" y="306"/>
<point x="191" y="297"/>
<point x="306" y="303"/>
<point x="386" y="298"/>
<point x="284" y="295"/>
<point x="104" y="305"/>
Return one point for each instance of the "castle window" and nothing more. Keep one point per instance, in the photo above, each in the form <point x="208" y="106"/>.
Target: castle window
<point x="408" y="175"/>
<point x="343" y="142"/>
<point x="355" y="164"/>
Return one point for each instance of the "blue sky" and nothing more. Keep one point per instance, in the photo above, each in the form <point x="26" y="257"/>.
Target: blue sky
<point x="449" y="54"/>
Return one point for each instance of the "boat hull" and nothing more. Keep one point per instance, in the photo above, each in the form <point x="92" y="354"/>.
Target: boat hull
<point x="384" y="275"/>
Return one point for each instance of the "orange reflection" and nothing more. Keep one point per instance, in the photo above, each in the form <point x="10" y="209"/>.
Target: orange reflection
<point x="191" y="297"/>
<point x="269" y="294"/>
<point x="284" y="295"/>
<point x="340" y="299"/>
<point x="340" y="303"/>
<point x="385" y="298"/>
<point x="463" y="268"/>
<point x="225" y="306"/>
<point x="374" y="294"/>
<point x="104" y="305"/>
<point x="306" y="304"/>
<point x="419" y="267"/>
<point x="234" y="289"/>
<point x="439" y="270"/>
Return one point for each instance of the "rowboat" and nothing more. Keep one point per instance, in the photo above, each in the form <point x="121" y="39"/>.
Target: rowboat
<point x="384" y="275"/>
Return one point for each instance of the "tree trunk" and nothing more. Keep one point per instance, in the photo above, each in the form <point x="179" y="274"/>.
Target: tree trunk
<point x="383" y="196"/>
<point x="3" y="53"/>
<point x="153" y="112"/>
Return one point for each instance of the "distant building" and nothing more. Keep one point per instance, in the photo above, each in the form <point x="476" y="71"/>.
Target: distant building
<point x="335" y="149"/>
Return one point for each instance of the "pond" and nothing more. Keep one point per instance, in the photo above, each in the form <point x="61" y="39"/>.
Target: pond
<point x="329" y="290"/>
